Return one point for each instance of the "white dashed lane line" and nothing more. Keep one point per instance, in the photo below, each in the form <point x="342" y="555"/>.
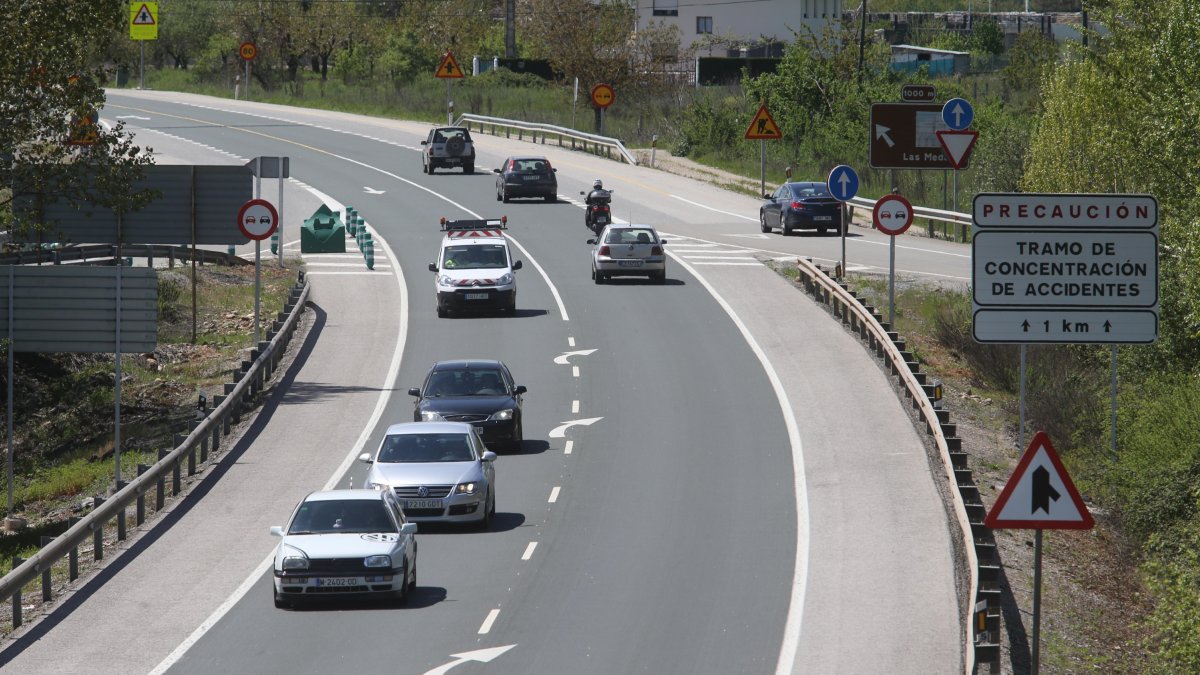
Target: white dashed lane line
<point x="529" y="551"/>
<point x="554" y="494"/>
<point x="487" y="623"/>
<point x="570" y="445"/>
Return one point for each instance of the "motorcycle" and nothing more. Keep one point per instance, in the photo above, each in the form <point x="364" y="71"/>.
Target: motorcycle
<point x="597" y="213"/>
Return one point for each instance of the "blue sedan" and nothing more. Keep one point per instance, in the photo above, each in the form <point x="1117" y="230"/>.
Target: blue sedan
<point x="800" y="206"/>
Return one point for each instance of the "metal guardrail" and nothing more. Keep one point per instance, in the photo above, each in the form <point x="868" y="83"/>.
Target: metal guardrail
<point x="960" y="221"/>
<point x="546" y="130"/>
<point x="85" y="252"/>
<point x="215" y="424"/>
<point x="980" y="612"/>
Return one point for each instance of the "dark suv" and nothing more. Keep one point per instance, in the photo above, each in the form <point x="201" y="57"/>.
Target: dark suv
<point x="480" y="392"/>
<point x="448" y="146"/>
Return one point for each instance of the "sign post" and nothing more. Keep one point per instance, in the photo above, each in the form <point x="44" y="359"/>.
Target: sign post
<point x="257" y="219"/>
<point x="449" y="70"/>
<point x="842" y="183"/>
<point x="1039" y="495"/>
<point x="143" y="25"/>
<point x="763" y="128"/>
<point x="892" y="215"/>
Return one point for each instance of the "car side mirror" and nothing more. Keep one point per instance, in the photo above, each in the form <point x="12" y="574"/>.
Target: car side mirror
<point x="488" y="456"/>
<point x="662" y="242"/>
<point x="582" y="192"/>
<point x="766" y="195"/>
<point x="408" y="528"/>
<point x="414" y="391"/>
<point x="591" y="241"/>
<point x="365" y="458"/>
<point x="276" y="530"/>
<point x="554" y="170"/>
<point x="520" y="389"/>
<point x="495" y="170"/>
<point x="516" y="265"/>
<point x="424" y="142"/>
<point x="432" y="267"/>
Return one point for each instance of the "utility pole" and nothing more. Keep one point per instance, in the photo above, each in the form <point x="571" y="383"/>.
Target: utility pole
<point x="510" y="29"/>
<point x="862" y="38"/>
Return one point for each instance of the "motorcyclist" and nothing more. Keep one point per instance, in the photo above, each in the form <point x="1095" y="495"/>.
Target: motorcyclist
<point x="598" y="195"/>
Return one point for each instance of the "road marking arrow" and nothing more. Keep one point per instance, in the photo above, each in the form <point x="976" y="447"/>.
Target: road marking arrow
<point x="561" y="430"/>
<point x="562" y="360"/>
<point x="479" y="656"/>
<point x="882" y="132"/>
<point x="372" y="191"/>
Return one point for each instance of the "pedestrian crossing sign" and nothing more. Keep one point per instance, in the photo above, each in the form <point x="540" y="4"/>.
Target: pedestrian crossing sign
<point x="143" y="21"/>
<point x="449" y="67"/>
<point x="763" y="127"/>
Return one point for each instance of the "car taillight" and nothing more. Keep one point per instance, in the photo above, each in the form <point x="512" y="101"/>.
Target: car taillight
<point x="799" y="206"/>
<point x="512" y="166"/>
<point x="656" y="250"/>
<point x="604" y="250"/>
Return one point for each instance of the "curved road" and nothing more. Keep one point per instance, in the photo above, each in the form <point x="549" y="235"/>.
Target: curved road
<point x="752" y="497"/>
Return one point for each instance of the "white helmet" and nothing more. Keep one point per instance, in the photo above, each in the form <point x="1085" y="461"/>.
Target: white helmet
<point x="598" y="185"/>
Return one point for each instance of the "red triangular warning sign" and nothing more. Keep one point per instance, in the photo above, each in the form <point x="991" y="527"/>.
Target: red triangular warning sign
<point x="448" y="67"/>
<point x="958" y="145"/>
<point x="1040" y="494"/>
<point x="143" y="17"/>
<point x="763" y="126"/>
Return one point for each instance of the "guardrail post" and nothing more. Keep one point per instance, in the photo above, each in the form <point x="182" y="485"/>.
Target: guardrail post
<point x="73" y="554"/>
<point x="16" y="597"/>
<point x="222" y="425"/>
<point x="121" y="514"/>
<point x="160" y="488"/>
<point x="46" y="541"/>
<point x="180" y="439"/>
<point x="140" y="512"/>
<point x="97" y="532"/>
<point x="204" y="438"/>
<point x="176" y="478"/>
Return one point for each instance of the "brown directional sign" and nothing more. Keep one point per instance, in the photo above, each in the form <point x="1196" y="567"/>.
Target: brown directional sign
<point x="904" y="136"/>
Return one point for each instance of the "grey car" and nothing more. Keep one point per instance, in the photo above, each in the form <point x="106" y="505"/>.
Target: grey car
<point x="342" y="543"/>
<point x="624" y="250"/>
<point x="526" y="177"/>
<point x="439" y="472"/>
<point x="448" y="147"/>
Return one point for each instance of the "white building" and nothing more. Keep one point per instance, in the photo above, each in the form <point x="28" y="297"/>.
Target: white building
<point x="747" y="21"/>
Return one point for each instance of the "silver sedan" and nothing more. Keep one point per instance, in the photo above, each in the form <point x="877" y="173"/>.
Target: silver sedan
<point x="345" y="542"/>
<point x="624" y="250"/>
<point x="439" y="471"/>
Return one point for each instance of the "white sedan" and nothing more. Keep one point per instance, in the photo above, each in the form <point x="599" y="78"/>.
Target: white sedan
<point x="345" y="543"/>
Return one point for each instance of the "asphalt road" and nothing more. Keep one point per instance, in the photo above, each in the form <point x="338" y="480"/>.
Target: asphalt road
<point x="752" y="497"/>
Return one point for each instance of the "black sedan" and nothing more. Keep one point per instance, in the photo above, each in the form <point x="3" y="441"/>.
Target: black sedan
<point x="526" y="177"/>
<point x="481" y="392"/>
<point x="800" y="206"/>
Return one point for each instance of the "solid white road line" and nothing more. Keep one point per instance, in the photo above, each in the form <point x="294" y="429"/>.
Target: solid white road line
<point x="554" y="494"/>
<point x="364" y="273"/>
<point x="529" y="551"/>
<point x="487" y="623"/>
<point x="380" y="404"/>
<point x="731" y="264"/>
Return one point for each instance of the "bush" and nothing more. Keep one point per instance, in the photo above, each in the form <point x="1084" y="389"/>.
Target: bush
<point x="1173" y="577"/>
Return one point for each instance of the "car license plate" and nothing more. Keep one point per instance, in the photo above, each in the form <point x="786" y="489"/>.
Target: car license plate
<point x="822" y="217"/>
<point x="337" y="581"/>
<point x="532" y="177"/>
<point x="602" y="220"/>
<point x="475" y="296"/>
<point x="630" y="263"/>
<point x="423" y="504"/>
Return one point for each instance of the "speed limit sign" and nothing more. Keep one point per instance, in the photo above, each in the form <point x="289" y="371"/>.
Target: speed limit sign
<point x="248" y="51"/>
<point x="257" y="219"/>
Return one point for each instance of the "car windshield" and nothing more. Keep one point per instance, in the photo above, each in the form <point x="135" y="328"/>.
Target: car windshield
<point x="402" y="448"/>
<point x="478" y="256"/>
<point x="345" y="516"/>
<point x="629" y="235"/>
<point x="465" y="383"/>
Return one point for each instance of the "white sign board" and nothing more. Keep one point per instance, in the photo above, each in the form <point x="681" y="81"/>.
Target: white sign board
<point x="1065" y="268"/>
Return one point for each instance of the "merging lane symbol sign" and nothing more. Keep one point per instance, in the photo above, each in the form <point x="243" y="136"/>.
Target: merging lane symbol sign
<point x="763" y="127"/>
<point x="1040" y="494"/>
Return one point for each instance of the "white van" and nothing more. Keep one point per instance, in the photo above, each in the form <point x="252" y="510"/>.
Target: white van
<point x="475" y="268"/>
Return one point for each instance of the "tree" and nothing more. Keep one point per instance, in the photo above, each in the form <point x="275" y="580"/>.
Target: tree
<point x="51" y="83"/>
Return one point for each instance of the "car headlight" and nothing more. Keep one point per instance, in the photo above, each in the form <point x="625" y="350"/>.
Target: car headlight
<point x="445" y="280"/>
<point x="377" y="561"/>
<point x="465" y="488"/>
<point x="377" y="486"/>
<point x="506" y="278"/>
<point x="295" y="563"/>
<point x="502" y="415"/>
<point x="429" y="416"/>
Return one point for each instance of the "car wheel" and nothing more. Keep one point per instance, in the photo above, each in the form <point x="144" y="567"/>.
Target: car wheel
<point x="489" y="511"/>
<point x="518" y="440"/>
<point x="424" y="167"/>
<point x="762" y="222"/>
<point x="597" y="277"/>
<point x="468" y="169"/>
<point x="412" y="582"/>
<point x="821" y="230"/>
<point x="659" y="277"/>
<point x="787" y="231"/>
<point x="504" y="196"/>
<point x="441" y="310"/>
<point x="401" y="596"/>
<point x="550" y="199"/>
<point x="280" y="601"/>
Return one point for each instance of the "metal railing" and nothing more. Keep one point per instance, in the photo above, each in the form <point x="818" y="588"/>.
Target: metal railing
<point x="215" y="424"/>
<point x="960" y="221"/>
<point x="979" y="612"/>
<point x="85" y="252"/>
<point x="579" y="139"/>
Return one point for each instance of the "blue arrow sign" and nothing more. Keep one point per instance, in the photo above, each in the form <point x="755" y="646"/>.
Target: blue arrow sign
<point x="842" y="183"/>
<point x="957" y="114"/>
